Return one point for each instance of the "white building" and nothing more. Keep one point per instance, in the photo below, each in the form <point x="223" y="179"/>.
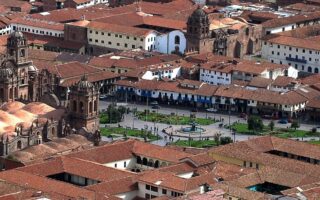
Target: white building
<point x="117" y="37"/>
<point x="170" y="42"/>
<point x="290" y="23"/>
<point x="301" y="53"/>
<point x="157" y="72"/>
<point x="216" y="73"/>
<point x="37" y="27"/>
<point x="223" y="71"/>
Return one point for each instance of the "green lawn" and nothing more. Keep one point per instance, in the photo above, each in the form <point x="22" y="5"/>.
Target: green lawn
<point x="196" y="143"/>
<point x="242" y="128"/>
<point x="129" y="132"/>
<point x="289" y="133"/>
<point x="172" y="119"/>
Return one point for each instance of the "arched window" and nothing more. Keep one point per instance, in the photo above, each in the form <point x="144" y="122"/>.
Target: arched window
<point x="1" y="92"/>
<point x="19" y="145"/>
<point x="95" y="106"/>
<point x="247" y="31"/>
<point x="309" y="69"/>
<point x="139" y="161"/>
<point x="74" y="109"/>
<point x="176" y="39"/>
<point x="156" y="164"/>
<point x="90" y="107"/>
<point x="22" y="53"/>
<point x="316" y="70"/>
<point x="144" y="161"/>
<point x="53" y="131"/>
<point x="81" y="107"/>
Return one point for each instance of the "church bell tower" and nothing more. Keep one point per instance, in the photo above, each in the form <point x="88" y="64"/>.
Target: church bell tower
<point x="198" y="33"/>
<point x="83" y="105"/>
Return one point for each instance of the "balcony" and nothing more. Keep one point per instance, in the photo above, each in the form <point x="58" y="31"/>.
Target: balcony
<point x="296" y="60"/>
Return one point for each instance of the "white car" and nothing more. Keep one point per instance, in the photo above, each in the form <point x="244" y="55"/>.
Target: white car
<point x="212" y="110"/>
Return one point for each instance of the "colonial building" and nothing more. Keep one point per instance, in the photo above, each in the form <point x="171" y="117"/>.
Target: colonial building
<point x="298" y="48"/>
<point x="228" y="37"/>
<point x="23" y="125"/>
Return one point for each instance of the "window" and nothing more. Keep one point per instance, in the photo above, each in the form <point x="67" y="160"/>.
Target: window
<point x="102" y="33"/>
<point x="89" y="31"/>
<point x="272" y="52"/>
<point x="115" y="165"/>
<point x="128" y="37"/>
<point x="250" y="164"/>
<point x="164" y="191"/>
<point x="257" y="166"/>
<point x="96" y="41"/>
<point x="135" y="38"/>
<point x="278" y="46"/>
<point x="125" y="164"/>
<point x="109" y="34"/>
<point x="109" y="43"/>
<point x="141" y="39"/>
<point x="116" y="35"/>
<point x="154" y="189"/>
<point x="133" y="46"/>
<point x="244" y="163"/>
<point x="125" y="45"/>
<point x="120" y="36"/>
<point x="147" y="187"/>
<point x="118" y="44"/>
<point x="102" y="41"/>
<point x="97" y="32"/>
<point x="176" y="39"/>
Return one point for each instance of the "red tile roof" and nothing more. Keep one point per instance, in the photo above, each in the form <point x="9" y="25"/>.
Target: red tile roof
<point x="114" y="28"/>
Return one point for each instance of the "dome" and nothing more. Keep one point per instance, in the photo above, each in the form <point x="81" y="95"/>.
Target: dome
<point x="84" y="84"/>
<point x="32" y="68"/>
<point x="198" y="13"/>
<point x="6" y="72"/>
<point x="7" y="64"/>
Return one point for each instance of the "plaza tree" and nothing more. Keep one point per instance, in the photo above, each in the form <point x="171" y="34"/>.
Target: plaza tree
<point x="255" y="123"/>
<point x="295" y="125"/>
<point x="271" y="125"/>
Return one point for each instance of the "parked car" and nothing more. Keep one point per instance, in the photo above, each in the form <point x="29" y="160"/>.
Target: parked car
<point x="103" y="96"/>
<point x="212" y="110"/>
<point x="153" y="103"/>
<point x="155" y="107"/>
<point x="283" y="121"/>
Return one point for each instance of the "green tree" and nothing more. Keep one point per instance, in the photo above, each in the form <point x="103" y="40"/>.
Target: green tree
<point x="255" y="123"/>
<point x="216" y="138"/>
<point x="225" y="140"/>
<point x="295" y="125"/>
<point x="271" y="125"/>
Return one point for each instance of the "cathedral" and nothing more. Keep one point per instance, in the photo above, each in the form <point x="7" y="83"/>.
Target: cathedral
<point x="236" y="38"/>
<point x="24" y="119"/>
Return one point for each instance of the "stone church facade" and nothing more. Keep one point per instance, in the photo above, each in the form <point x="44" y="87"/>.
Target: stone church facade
<point x="24" y="119"/>
<point x="223" y="41"/>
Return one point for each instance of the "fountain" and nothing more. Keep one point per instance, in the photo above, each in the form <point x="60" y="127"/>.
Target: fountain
<point x="192" y="129"/>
